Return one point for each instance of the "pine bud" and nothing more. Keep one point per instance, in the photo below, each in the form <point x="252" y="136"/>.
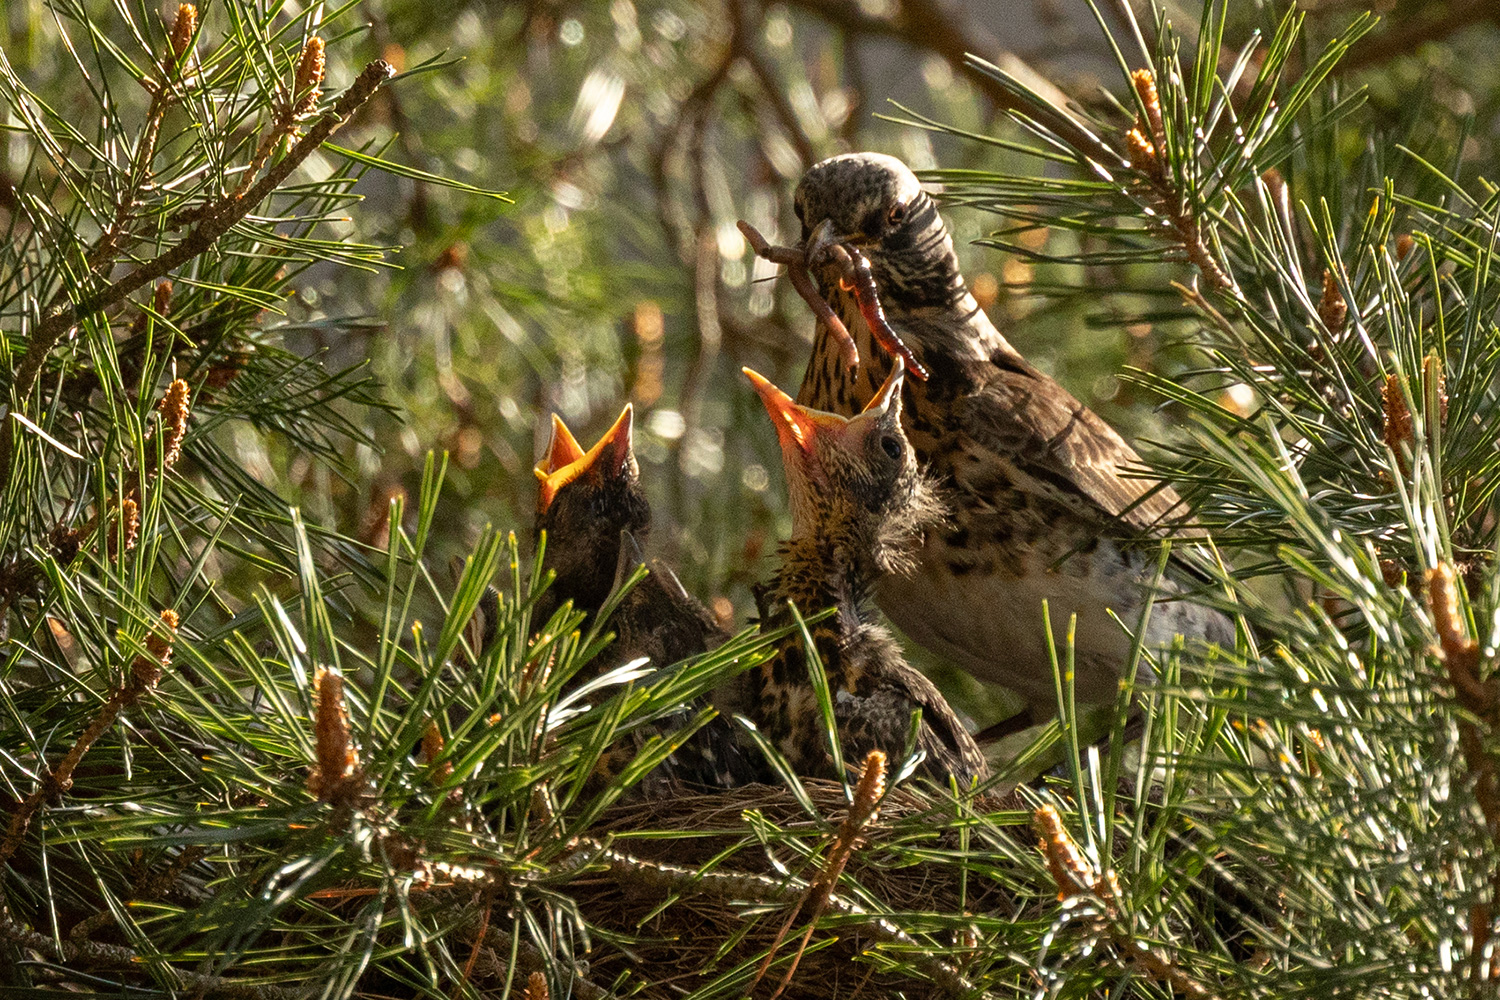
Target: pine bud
<point x="1145" y="88"/>
<point x="1142" y="154"/>
<point x="130" y="517"/>
<point x="161" y="298"/>
<point x="869" y="790"/>
<point x="1332" y="309"/>
<point x="1398" y="426"/>
<point x="1404" y="244"/>
<point x="161" y="305"/>
<point x="182" y="30"/>
<point x="432" y="749"/>
<point x="174" y="407"/>
<point x="146" y="669"/>
<point x="1447" y="618"/>
<point x="1070" y="870"/>
<point x="536" y="987"/>
<point x="307" y="86"/>
<point x="338" y="761"/>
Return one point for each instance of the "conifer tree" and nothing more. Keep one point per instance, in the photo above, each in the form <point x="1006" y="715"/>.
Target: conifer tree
<point x="246" y="754"/>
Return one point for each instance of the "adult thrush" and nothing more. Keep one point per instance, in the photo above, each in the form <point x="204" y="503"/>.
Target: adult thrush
<point x="1046" y="502"/>
<point x="859" y="510"/>
<point x="595" y="515"/>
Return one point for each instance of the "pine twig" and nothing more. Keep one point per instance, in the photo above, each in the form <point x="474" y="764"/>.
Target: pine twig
<point x="1146" y="146"/>
<point x="145" y="671"/>
<point x="1075" y="875"/>
<point x="163" y="96"/>
<point x="290" y="109"/>
<point x="147" y="887"/>
<point x="91" y="954"/>
<point x="1460" y="654"/>
<point x="862" y="810"/>
<point x="218" y="221"/>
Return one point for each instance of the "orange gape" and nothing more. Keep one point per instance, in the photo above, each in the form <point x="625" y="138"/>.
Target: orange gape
<point x="566" y="460"/>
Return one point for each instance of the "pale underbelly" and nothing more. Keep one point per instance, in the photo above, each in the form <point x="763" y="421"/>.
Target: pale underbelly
<point x="988" y="620"/>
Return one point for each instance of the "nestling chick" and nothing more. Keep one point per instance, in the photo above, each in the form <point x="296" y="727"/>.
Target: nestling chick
<point x="595" y="514"/>
<point x="597" y="519"/>
<point x="859" y="511"/>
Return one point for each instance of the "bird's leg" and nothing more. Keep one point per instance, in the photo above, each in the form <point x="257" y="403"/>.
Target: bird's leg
<point x="795" y="262"/>
<point x="858" y="278"/>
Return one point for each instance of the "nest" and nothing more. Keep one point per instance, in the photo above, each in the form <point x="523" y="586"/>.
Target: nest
<point x="676" y="912"/>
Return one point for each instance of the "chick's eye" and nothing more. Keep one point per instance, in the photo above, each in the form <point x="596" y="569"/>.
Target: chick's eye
<point x="891" y="447"/>
<point x="896" y="214"/>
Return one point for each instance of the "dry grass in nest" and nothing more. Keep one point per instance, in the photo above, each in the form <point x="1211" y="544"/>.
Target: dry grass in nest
<point x="655" y="916"/>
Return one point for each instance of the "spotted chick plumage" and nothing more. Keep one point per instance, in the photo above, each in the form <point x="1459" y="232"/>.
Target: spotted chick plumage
<point x="859" y="511"/>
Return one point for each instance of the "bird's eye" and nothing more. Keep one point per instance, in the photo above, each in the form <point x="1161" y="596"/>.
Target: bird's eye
<point x="891" y="447"/>
<point x="896" y="214"/>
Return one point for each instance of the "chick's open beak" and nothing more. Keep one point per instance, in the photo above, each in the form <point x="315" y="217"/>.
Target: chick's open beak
<point x="889" y="390"/>
<point x="797" y="427"/>
<point x="612" y="457"/>
<point x="562" y="450"/>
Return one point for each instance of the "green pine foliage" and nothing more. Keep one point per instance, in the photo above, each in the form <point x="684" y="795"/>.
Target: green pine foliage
<point x="250" y="752"/>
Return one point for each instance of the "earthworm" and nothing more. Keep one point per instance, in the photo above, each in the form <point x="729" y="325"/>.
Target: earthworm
<point x="795" y="262"/>
<point x="856" y="271"/>
<point x="856" y="276"/>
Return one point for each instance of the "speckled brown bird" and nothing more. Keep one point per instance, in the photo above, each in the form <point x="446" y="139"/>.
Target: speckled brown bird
<point x="595" y="515"/>
<point x="859" y="511"/>
<point x="1047" y="502"/>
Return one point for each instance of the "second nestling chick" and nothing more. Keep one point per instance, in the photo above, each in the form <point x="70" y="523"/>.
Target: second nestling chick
<point x="595" y="516"/>
<point x="859" y="510"/>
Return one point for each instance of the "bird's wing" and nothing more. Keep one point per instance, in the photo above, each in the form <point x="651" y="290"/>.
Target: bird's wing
<point x="881" y="716"/>
<point x="1022" y="415"/>
<point x="1010" y="408"/>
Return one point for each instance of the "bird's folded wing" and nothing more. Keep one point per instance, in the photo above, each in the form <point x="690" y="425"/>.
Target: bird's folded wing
<point x="1019" y="413"/>
<point x="940" y="719"/>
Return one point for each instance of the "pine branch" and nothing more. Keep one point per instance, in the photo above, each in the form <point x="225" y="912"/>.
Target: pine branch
<point x="145" y="671"/>
<point x="219" y="220"/>
<point x="92" y="955"/>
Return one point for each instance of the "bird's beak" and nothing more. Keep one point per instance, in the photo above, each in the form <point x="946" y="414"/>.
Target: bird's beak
<point x="820" y="239"/>
<point x="562" y="450"/>
<point x="611" y="458"/>
<point x="797" y="427"/>
<point x="890" y="389"/>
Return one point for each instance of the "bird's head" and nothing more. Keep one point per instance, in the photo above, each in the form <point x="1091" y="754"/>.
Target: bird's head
<point x="874" y="203"/>
<point x="587" y="498"/>
<point x="854" y="477"/>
